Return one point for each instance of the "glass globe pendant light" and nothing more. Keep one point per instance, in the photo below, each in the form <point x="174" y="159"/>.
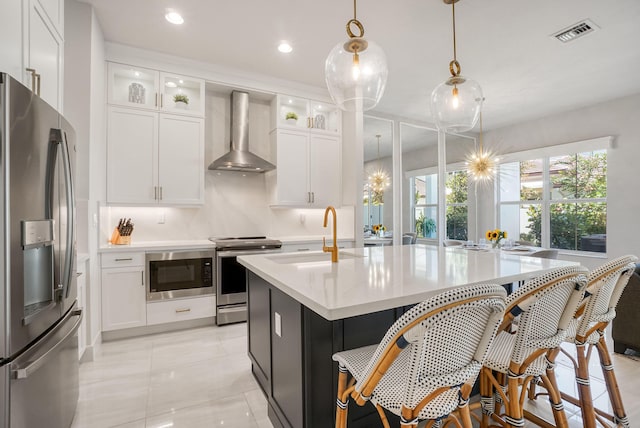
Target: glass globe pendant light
<point x="356" y="70"/>
<point x="456" y="103"/>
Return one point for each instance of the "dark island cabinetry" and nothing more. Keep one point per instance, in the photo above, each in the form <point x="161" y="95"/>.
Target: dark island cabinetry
<point x="290" y="348"/>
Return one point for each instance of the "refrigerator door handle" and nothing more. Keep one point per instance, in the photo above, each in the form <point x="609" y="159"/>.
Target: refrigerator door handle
<point x="25" y="372"/>
<point x="71" y="210"/>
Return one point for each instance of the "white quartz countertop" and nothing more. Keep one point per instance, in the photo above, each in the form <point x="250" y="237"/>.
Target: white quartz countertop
<point x="310" y="239"/>
<point x="372" y="279"/>
<point x="196" y="244"/>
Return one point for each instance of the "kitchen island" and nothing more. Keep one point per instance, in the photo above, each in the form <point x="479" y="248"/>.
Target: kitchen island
<point x="302" y="308"/>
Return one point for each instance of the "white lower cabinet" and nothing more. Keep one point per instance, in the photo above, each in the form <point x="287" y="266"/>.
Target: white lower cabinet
<point x="180" y="310"/>
<point x="124" y="296"/>
<point x="124" y="299"/>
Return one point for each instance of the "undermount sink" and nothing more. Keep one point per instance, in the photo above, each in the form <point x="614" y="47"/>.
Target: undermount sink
<point x="296" y="258"/>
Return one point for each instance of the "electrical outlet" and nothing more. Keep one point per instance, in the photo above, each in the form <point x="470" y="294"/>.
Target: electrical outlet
<point x="277" y="324"/>
<point x="161" y="218"/>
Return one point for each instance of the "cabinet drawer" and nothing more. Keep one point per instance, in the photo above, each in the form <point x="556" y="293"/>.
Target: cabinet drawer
<point x="180" y="310"/>
<point x="313" y="246"/>
<point x="112" y="260"/>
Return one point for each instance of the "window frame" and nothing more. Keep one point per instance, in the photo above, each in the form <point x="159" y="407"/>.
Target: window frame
<point x="545" y="153"/>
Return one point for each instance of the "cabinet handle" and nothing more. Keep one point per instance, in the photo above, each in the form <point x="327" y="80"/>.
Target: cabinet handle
<point x="303" y="249"/>
<point x="160" y="192"/>
<point x="161" y="102"/>
<point x="35" y="81"/>
<point x="142" y="277"/>
<point x="183" y="310"/>
<point x="312" y="123"/>
<point x="156" y="105"/>
<point x="130" y="259"/>
<point x="313" y="197"/>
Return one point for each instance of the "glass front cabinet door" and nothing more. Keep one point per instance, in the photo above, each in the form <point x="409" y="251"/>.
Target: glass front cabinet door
<point x="301" y="113"/>
<point x="139" y="87"/>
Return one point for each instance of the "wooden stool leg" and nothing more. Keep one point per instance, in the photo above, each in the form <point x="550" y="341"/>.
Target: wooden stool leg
<point x="407" y="418"/>
<point x="584" y="390"/>
<point x="514" y="413"/>
<point x="559" y="416"/>
<point x="551" y="384"/>
<point x="342" y="407"/>
<point x="486" y="397"/>
<point x="612" y="383"/>
<point x="463" y="406"/>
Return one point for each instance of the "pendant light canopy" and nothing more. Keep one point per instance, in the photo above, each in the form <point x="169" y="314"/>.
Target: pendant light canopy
<point x="356" y="70"/>
<point x="482" y="165"/>
<point x="456" y="103"/>
<point x="379" y="180"/>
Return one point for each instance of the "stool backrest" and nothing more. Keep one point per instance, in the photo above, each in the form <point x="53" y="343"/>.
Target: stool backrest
<point x="446" y="335"/>
<point x="605" y="286"/>
<point x="546" y="305"/>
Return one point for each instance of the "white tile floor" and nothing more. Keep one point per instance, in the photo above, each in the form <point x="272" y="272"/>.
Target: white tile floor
<point x="202" y="378"/>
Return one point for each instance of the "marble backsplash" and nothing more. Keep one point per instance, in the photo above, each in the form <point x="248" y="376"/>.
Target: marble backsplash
<point x="236" y="204"/>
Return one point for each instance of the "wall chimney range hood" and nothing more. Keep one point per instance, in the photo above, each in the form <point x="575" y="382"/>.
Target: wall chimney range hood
<point x="239" y="158"/>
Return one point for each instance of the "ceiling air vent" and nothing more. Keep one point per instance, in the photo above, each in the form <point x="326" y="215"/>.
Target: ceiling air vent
<point x="575" y="31"/>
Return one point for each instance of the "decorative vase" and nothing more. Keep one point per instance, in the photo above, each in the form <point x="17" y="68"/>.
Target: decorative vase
<point x="495" y="244"/>
<point x="181" y="105"/>
<point x="291" y="121"/>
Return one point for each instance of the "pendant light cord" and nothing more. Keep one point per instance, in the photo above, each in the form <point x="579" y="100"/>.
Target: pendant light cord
<point x="453" y="9"/>
<point x="354" y="10"/>
<point x="480" y="132"/>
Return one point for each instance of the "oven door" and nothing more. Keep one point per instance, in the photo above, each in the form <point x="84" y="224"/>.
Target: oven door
<point x="179" y="274"/>
<point x="231" y="279"/>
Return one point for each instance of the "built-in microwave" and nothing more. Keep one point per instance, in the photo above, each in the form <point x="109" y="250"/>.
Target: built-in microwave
<point x="176" y="274"/>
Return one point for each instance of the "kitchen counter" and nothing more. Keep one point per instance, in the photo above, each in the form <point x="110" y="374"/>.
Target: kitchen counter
<point x="195" y="244"/>
<point x="372" y="279"/>
<point x="310" y="239"/>
<point x="302" y="308"/>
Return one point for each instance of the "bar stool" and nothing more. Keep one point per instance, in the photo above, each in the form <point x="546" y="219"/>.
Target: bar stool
<point x="604" y="289"/>
<point x="427" y="362"/>
<point x="545" y="307"/>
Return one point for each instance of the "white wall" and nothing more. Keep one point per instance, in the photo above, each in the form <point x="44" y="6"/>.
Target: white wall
<point x="84" y="101"/>
<point x="619" y="118"/>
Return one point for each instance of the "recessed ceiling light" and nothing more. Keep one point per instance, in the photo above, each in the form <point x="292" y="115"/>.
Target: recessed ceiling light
<point x="181" y="81"/>
<point x="136" y="73"/>
<point x="174" y="17"/>
<point x="171" y="85"/>
<point x="285" y="47"/>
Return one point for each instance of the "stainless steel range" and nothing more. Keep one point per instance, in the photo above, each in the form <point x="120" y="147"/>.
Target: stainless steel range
<point x="231" y="276"/>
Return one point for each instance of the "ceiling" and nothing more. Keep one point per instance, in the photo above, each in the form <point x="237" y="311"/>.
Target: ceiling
<point x="505" y="45"/>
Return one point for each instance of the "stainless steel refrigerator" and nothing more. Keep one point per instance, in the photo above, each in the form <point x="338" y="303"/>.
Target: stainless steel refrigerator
<point x="39" y="317"/>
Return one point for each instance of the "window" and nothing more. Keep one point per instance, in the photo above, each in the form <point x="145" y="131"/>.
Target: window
<point x="425" y="205"/>
<point x="556" y="201"/>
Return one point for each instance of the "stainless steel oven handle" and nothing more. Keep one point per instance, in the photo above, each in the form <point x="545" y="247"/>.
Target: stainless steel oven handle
<point x="230" y="309"/>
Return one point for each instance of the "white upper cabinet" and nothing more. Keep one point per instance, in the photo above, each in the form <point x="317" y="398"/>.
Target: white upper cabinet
<point x="43" y="49"/>
<point x="308" y="169"/>
<point x="140" y="87"/>
<point x="154" y="158"/>
<point x="315" y="116"/>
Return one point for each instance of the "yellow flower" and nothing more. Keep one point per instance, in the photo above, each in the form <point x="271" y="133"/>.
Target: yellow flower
<point x="488" y="235"/>
<point x="504" y="234"/>
<point x="494" y="235"/>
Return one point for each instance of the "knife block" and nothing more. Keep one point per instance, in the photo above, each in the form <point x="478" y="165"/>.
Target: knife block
<point x="117" y="239"/>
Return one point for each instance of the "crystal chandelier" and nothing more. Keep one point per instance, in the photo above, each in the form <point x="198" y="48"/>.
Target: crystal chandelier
<point x="356" y="70"/>
<point x="379" y="179"/>
<point x="456" y="103"/>
<point x="481" y="165"/>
